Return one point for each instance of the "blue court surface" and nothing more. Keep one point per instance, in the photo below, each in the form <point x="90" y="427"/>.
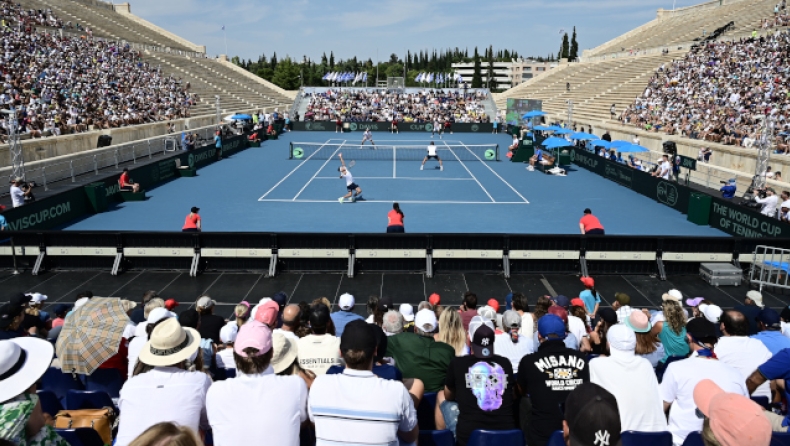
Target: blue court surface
<point x="261" y="189"/>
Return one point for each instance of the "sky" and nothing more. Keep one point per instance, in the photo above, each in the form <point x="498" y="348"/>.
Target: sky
<point x="365" y="28"/>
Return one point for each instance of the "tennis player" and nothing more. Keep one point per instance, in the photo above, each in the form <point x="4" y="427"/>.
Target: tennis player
<point x="432" y="155"/>
<point x="351" y="186"/>
<point x="367" y="136"/>
<point x="437" y="127"/>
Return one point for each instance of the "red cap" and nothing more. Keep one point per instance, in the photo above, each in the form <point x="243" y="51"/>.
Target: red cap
<point x="577" y="302"/>
<point x="434" y="299"/>
<point x="559" y="312"/>
<point x="170" y="304"/>
<point x="493" y="304"/>
<point x="588" y="282"/>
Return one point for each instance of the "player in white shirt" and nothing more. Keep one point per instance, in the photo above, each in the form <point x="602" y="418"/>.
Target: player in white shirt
<point x="437" y="128"/>
<point x="351" y="186"/>
<point x="367" y="136"/>
<point x="664" y="169"/>
<point x="432" y="155"/>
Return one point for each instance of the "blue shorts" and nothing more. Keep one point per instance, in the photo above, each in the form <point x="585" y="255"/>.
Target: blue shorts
<point x="450" y="413"/>
<point x="352" y="187"/>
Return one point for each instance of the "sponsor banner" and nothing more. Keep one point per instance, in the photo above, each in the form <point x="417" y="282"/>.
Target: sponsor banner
<point x="317" y="126"/>
<point x="516" y="108"/>
<point x="49" y="212"/>
<point x="744" y="222"/>
<point x="326" y="126"/>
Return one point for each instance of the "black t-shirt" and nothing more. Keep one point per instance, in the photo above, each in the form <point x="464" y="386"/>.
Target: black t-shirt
<point x="31" y="321"/>
<point x="210" y="324"/>
<point x="549" y="376"/>
<point x="484" y="392"/>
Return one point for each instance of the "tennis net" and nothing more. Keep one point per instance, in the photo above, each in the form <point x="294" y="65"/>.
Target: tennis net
<point x="318" y="151"/>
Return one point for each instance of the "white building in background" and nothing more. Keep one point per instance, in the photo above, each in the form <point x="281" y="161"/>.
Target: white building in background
<point x="506" y="74"/>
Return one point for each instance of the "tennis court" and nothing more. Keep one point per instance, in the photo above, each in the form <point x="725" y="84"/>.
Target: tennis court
<point x="278" y="188"/>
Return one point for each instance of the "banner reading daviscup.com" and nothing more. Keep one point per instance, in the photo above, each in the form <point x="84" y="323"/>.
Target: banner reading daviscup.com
<point x="326" y="126"/>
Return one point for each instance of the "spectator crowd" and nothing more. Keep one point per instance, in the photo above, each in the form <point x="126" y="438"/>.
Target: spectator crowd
<point x="302" y="373"/>
<point x="426" y="106"/>
<point x="720" y="92"/>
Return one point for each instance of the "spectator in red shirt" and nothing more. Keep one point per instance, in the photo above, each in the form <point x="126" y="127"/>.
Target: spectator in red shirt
<point x="469" y="309"/>
<point x="193" y="223"/>
<point x="126" y="183"/>
<point x="589" y="224"/>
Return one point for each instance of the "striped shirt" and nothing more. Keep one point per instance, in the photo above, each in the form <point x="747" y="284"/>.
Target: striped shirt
<point x="359" y="408"/>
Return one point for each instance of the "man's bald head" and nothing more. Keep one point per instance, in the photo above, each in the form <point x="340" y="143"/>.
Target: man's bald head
<point x="734" y="323"/>
<point x="291" y="317"/>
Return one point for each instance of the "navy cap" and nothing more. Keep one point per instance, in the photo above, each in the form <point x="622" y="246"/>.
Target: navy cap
<point x="608" y="315"/>
<point x="61" y="309"/>
<point x="770" y="318"/>
<point x="550" y="325"/>
<point x="281" y="298"/>
<point x="562" y="301"/>
<point x="483" y="342"/>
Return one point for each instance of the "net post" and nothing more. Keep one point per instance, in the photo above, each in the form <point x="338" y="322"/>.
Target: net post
<point x="290" y="150"/>
<point x="496" y="149"/>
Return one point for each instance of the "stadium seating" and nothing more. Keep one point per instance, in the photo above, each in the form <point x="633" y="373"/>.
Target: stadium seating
<point x="83" y="436"/>
<point x="105" y="380"/>
<point x="88" y="399"/>
<point x="780" y="439"/>
<point x="60" y="383"/>
<point x="693" y="439"/>
<point x="633" y="438"/>
<point x="436" y="438"/>
<point x="425" y="411"/>
<point x="556" y="439"/>
<point x="482" y="437"/>
<point x="49" y="402"/>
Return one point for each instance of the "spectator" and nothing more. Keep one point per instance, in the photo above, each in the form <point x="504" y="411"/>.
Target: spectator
<point x="168" y="392"/>
<point x="231" y="416"/>
<point x="777" y="368"/>
<point x="739" y="351"/>
<point x="20" y="192"/>
<point x="171" y="304"/>
<point x="3" y="221"/>
<point x="167" y="434"/>
<point x="647" y="343"/>
<point x="639" y="410"/>
<point x="340" y="405"/>
<point x="589" y="224"/>
<point x="785" y="315"/>
<point x="769" y="203"/>
<point x="285" y="360"/>
<point x="598" y="336"/>
<point x="571" y="341"/>
<point x="784" y="211"/>
<point x="681" y="377"/>
<point x="622" y="305"/>
<point x="407" y="311"/>
<point x="468" y="309"/>
<point x="320" y="350"/>
<point x="592" y="417"/>
<point x="395" y="219"/>
<point x="210" y="323"/>
<point x="291" y="319"/>
<point x="606" y="136"/>
<point x="482" y="384"/>
<point x="138" y="315"/>
<point x="590" y="297"/>
<point x="125" y="182"/>
<point x="381" y="365"/>
<point x="193" y="222"/>
<point x="392" y="323"/>
<point x="33" y="323"/>
<point x="521" y="306"/>
<point x="728" y="190"/>
<point x="242" y="313"/>
<point x="59" y="312"/>
<point x="418" y="355"/>
<point x="672" y="330"/>
<point x="751" y="308"/>
<point x="547" y="377"/>
<point x="137" y="343"/>
<point x="451" y="331"/>
<point x="227" y="334"/>
<point x="770" y="326"/>
<point x="664" y="169"/>
<point x="576" y="325"/>
<point x="345" y="315"/>
<point x="730" y="419"/>
<point x="371" y="307"/>
<point x="511" y="344"/>
<point x="208" y="350"/>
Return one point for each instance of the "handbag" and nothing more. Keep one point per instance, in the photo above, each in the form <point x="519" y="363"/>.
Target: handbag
<point x="100" y="420"/>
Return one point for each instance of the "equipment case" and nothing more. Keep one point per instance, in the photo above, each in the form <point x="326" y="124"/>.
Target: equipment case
<point x="721" y="274"/>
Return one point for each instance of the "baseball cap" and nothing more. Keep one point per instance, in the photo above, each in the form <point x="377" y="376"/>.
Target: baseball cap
<point x="253" y="334"/>
<point x="486" y="312"/>
<point x="770" y="318"/>
<point x="195" y="209"/>
<point x="557" y="310"/>
<point x="407" y="311"/>
<point x="608" y="315"/>
<point x="36" y="298"/>
<point x="319" y="316"/>
<point x="592" y="413"/>
<point x="157" y="314"/>
<point x="189" y="318"/>
<point x="588" y="281"/>
<point x="786" y="204"/>
<point x="385" y="303"/>
<point x="672" y="295"/>
<point x="346" y="302"/>
<point x="511" y="319"/>
<point x="228" y="332"/>
<point x="267" y="313"/>
<point x="701" y="328"/>
<point x="621" y="338"/>
<point x="8" y="313"/>
<point x="756" y="296"/>
<point x="358" y="335"/>
<point x="577" y="302"/>
<point x="551" y="325"/>
<point x="562" y="301"/>
<point x="434" y="299"/>
<point x="694" y="302"/>
<point x="204" y="302"/>
<point x="785" y="314"/>
<point x="19" y="300"/>
<point x="734" y="419"/>
<point x="731" y="181"/>
<point x="483" y="342"/>
<point x="281" y="298"/>
<point x="171" y="303"/>
<point x="64" y="308"/>
<point x="493" y="304"/>
<point x="623" y="298"/>
<point x="425" y="320"/>
<point x="711" y="312"/>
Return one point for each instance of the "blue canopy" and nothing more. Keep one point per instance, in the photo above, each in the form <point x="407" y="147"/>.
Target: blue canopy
<point x="583" y="136"/>
<point x="241" y="116"/>
<point x="555" y="142"/>
<point x="561" y="131"/>
<point x="619" y="143"/>
<point x="543" y="128"/>
<point x="601" y="143"/>
<point x="632" y="148"/>
<point x="533" y="114"/>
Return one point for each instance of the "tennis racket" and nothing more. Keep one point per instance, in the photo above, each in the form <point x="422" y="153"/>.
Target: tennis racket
<point x="351" y="163"/>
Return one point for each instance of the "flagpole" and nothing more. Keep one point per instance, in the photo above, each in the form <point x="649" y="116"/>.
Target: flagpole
<point x="376" y="84"/>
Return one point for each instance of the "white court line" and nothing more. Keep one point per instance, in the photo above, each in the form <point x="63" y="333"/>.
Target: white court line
<point x="394" y="164"/>
<point x="469" y="172"/>
<point x="294" y="170"/>
<point x="497" y="175"/>
<point x="318" y="171"/>
<point x="402" y="178"/>
<point x="288" y="200"/>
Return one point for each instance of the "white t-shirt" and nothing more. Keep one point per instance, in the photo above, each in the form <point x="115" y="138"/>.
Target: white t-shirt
<point x="17" y="196"/>
<point x="431" y="150"/>
<point x="666" y="169"/>
<point x="505" y="347"/>
<point x="678" y="385"/>
<point x="286" y="333"/>
<point x="577" y="327"/>
<point x="744" y="354"/>
<point x="786" y="329"/>
<point x="639" y="411"/>
<point x="274" y="405"/>
<point x="527" y="325"/>
<point x="133" y="352"/>
<point x="319" y="352"/>
<point x="349" y="179"/>
<point x="225" y="359"/>
<point x="367" y="135"/>
<point x="162" y="394"/>
<point x="357" y="407"/>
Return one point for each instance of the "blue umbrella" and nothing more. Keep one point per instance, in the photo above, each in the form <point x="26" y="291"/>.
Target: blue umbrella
<point x="555" y="142"/>
<point x="533" y="114"/>
<point x="241" y="116"/>
<point x="561" y="131"/>
<point x="555" y="145"/>
<point x="583" y="136"/>
<point x="619" y="143"/>
<point x="543" y="128"/>
<point x="600" y="143"/>
<point x="632" y="148"/>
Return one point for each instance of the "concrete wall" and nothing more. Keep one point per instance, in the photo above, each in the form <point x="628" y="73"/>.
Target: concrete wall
<point x="125" y="9"/>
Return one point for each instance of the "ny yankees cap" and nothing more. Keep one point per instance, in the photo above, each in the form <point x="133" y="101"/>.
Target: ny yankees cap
<point x="483" y="342"/>
<point x="593" y="416"/>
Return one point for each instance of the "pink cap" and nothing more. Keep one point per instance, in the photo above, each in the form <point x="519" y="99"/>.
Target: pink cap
<point x="434" y="299"/>
<point x="253" y="334"/>
<point x="734" y="419"/>
<point x="493" y="304"/>
<point x="267" y="313"/>
<point x="588" y="282"/>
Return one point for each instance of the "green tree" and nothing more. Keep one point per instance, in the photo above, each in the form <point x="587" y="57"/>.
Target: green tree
<point x="477" y="78"/>
<point x="574" y="51"/>
<point x="235" y="60"/>
<point x="565" y="48"/>
<point x="490" y="72"/>
<point x="331" y="61"/>
<point x="286" y="75"/>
